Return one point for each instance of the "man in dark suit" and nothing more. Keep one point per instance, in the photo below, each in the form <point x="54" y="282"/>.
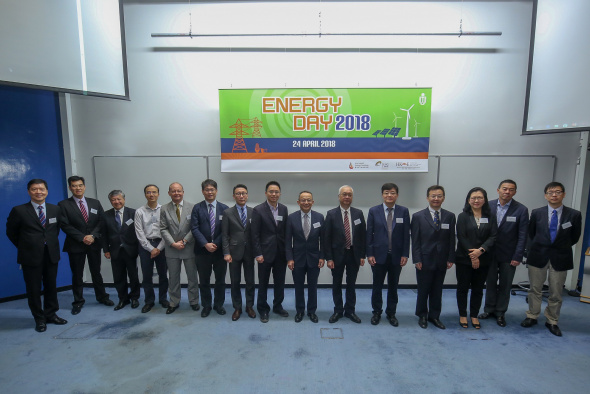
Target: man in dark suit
<point x="33" y="228"/>
<point x="345" y="233"/>
<point x="237" y="250"/>
<point x="268" y="241"/>
<point x="553" y="230"/>
<point x="433" y="253"/>
<point x="81" y="220"/>
<point x="120" y="246"/>
<point x="388" y="249"/>
<point x="206" y="228"/>
<point x="512" y="220"/>
<point x="305" y="254"/>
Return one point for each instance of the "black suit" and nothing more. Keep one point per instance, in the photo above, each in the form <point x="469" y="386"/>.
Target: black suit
<point x="470" y="236"/>
<point x="38" y="255"/>
<point x="76" y="228"/>
<point x="122" y="244"/>
<point x="433" y="248"/>
<point x="209" y="261"/>
<point x="268" y="241"/>
<point x="343" y="258"/>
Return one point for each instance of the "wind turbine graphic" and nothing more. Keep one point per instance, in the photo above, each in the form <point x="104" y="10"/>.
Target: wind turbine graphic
<point x="395" y="118"/>
<point x="407" y="122"/>
<point x="416" y="123"/>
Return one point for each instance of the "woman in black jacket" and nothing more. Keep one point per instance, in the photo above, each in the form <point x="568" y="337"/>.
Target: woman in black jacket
<point x="476" y="233"/>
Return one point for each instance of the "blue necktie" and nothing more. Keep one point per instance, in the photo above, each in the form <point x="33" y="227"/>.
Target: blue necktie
<point x="41" y="215"/>
<point x="118" y="219"/>
<point x="243" y="216"/>
<point x="436" y="220"/>
<point x="553" y="226"/>
<point x="212" y="220"/>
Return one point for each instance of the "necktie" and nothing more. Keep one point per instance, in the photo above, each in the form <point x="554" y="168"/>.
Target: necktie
<point x="212" y="220"/>
<point x="275" y="213"/>
<point x="306" y="226"/>
<point x="118" y="219"/>
<point x="84" y="213"/>
<point x="41" y="215"/>
<point x="389" y="225"/>
<point x="243" y="216"/>
<point x="178" y="213"/>
<point x="553" y="226"/>
<point x="347" y="230"/>
<point x="499" y="214"/>
<point x="436" y="220"/>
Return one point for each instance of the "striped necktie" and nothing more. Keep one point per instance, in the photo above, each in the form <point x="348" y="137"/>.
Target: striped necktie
<point x="41" y="215"/>
<point x="84" y="213"/>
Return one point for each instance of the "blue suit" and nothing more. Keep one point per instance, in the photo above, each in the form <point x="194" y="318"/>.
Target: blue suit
<point x="511" y="237"/>
<point x="209" y="261"/>
<point x="306" y="253"/>
<point x="387" y="261"/>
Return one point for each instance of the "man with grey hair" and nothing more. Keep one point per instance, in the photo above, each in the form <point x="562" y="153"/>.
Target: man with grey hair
<point x="120" y="246"/>
<point x="175" y="228"/>
<point x="345" y="244"/>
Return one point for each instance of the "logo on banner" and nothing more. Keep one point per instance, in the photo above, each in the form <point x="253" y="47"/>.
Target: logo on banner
<point x="422" y="99"/>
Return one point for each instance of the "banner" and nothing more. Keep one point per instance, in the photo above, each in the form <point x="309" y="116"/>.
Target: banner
<point x="324" y="130"/>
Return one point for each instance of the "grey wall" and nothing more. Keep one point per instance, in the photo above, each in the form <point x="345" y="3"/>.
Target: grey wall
<point x="478" y="96"/>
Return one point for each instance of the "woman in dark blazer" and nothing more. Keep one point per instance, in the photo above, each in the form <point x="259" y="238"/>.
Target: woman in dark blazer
<point x="476" y="234"/>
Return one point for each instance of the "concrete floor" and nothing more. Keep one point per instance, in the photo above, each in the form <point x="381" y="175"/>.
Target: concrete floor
<point x="103" y="351"/>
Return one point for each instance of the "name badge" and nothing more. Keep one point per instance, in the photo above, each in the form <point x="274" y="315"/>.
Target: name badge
<point x="220" y="217"/>
<point x="279" y="218"/>
<point x="92" y="210"/>
<point x="444" y="226"/>
<point x="316" y="225"/>
<point x="357" y="222"/>
<point x="128" y="222"/>
<point x="399" y="220"/>
<point x="511" y="219"/>
<point x="188" y="217"/>
<point x="52" y="220"/>
<point x="566" y="225"/>
<point x="483" y="220"/>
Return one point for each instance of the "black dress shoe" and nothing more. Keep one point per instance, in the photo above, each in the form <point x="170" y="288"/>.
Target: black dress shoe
<point x="313" y="317"/>
<point x="298" y="317"/>
<point x="57" y="320"/>
<point x="76" y="309"/>
<point x="392" y="320"/>
<point x="121" y="305"/>
<point x="485" y="315"/>
<point x="528" y="322"/>
<point x="281" y="312"/>
<point x="437" y="323"/>
<point x="206" y="311"/>
<point x="165" y="304"/>
<point x="147" y="307"/>
<point x="195" y="307"/>
<point x="264" y="317"/>
<point x="423" y="322"/>
<point x="171" y="309"/>
<point x="134" y="304"/>
<point x="220" y="310"/>
<point x="501" y="321"/>
<point x="335" y="317"/>
<point x="107" y="302"/>
<point x="375" y="318"/>
<point x="353" y="317"/>
<point x="40" y="327"/>
<point x="553" y="329"/>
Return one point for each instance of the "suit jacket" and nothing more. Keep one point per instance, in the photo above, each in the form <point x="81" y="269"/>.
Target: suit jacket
<point x="25" y="231"/>
<point x="378" y="236"/>
<point x="305" y="252"/>
<point x="431" y="247"/>
<point x="469" y="236"/>
<point x="511" y="235"/>
<point x="201" y="227"/>
<point x="540" y="248"/>
<point x="172" y="230"/>
<point x="114" y="239"/>
<point x="335" y="238"/>
<point x="268" y="236"/>
<point x="235" y="238"/>
<point x="73" y="224"/>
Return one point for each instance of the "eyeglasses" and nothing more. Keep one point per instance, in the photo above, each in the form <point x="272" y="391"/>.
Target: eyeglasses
<point x="388" y="193"/>
<point x="209" y="190"/>
<point x="239" y="194"/>
<point x="346" y="194"/>
<point x="149" y="193"/>
<point x="436" y="196"/>
<point x="306" y="201"/>
<point x="477" y="198"/>
<point x="554" y="193"/>
<point x="274" y="192"/>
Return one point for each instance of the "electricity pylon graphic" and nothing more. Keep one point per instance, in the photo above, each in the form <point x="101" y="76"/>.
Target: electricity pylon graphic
<point x="256" y="125"/>
<point x="239" y="144"/>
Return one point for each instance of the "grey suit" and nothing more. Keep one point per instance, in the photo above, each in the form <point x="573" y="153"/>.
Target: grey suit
<point x="173" y="231"/>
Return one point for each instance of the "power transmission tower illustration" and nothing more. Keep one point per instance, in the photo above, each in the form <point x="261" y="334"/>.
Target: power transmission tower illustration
<point x="256" y="125"/>
<point x="239" y="144"/>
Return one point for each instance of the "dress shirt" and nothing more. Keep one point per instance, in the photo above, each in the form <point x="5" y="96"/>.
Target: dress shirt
<point x="342" y="210"/>
<point x="501" y="211"/>
<point x="147" y="226"/>
<point x="550" y="212"/>
<point x="432" y="211"/>
<point x="180" y="204"/>
<point x="83" y="199"/>
<point x="35" y="205"/>
<point x="274" y="210"/>
<point x="385" y="208"/>
<point x="122" y="213"/>
<point x="303" y="219"/>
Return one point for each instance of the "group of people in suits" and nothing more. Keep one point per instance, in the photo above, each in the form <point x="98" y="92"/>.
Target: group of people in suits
<point x="492" y="238"/>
